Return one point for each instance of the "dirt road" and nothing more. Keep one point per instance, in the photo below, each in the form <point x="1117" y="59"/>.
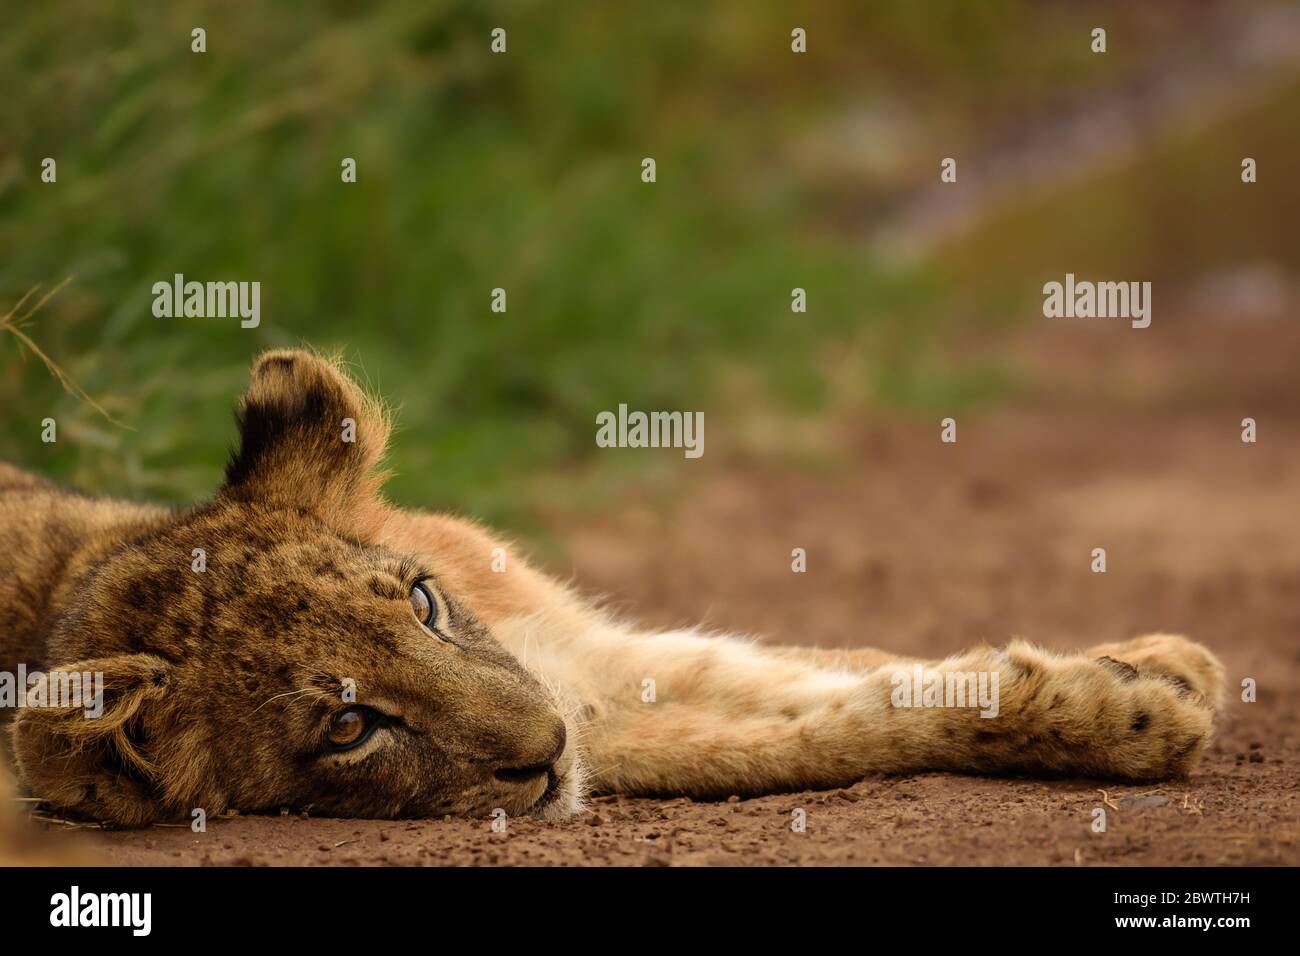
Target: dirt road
<point x="1125" y="440"/>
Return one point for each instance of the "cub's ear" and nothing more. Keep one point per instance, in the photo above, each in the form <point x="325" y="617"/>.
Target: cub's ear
<point x="308" y="438"/>
<point x="84" y="746"/>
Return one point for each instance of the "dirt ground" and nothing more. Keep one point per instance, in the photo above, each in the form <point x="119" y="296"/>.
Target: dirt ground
<point x="1122" y="439"/>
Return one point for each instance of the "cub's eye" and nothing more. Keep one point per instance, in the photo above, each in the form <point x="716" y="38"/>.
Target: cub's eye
<point x="351" y="728"/>
<point x="424" y="605"/>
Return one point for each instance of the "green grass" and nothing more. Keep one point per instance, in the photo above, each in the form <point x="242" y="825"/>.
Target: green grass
<point x="478" y="171"/>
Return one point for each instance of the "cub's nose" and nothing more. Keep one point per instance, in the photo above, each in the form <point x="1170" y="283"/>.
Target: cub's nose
<point x="527" y="769"/>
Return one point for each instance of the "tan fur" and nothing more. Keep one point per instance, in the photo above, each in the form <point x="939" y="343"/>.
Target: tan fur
<point x="219" y="685"/>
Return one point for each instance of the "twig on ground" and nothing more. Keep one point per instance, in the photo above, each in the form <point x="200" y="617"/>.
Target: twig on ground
<point x="1197" y="808"/>
<point x="66" y="824"/>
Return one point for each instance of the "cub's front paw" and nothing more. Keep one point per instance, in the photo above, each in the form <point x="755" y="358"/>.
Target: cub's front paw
<point x="1109" y="717"/>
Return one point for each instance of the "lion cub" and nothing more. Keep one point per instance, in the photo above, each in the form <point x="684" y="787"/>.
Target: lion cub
<point x="298" y="641"/>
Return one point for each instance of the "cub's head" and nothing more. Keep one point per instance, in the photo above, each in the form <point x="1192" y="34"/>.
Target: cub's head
<point x="268" y="650"/>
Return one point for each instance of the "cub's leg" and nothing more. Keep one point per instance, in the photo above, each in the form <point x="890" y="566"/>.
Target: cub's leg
<point x="1083" y="714"/>
<point x="848" y="658"/>
<point x="1186" y="663"/>
<point x="732" y="717"/>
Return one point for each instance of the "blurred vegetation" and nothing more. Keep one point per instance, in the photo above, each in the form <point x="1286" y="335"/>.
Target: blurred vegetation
<point x="477" y="171"/>
<point x="1172" y="214"/>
